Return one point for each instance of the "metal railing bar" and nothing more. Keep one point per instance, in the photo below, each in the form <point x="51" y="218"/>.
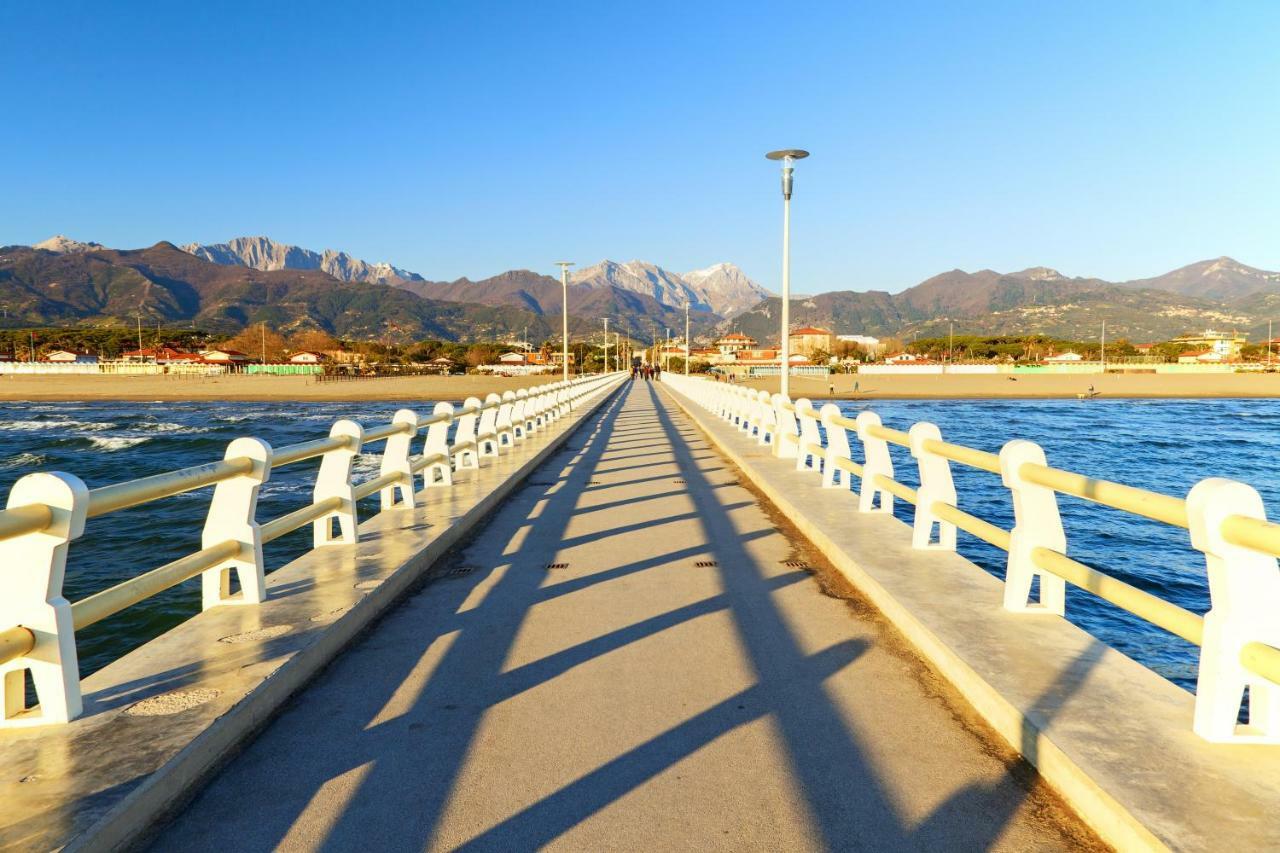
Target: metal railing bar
<point x="969" y="523"/>
<point x="291" y="453"/>
<point x="1163" y="614"/>
<point x="972" y="457"/>
<point x="1263" y="536"/>
<point x="277" y="527"/>
<point x="15" y="643"/>
<point x="1261" y="659"/>
<point x="893" y="487"/>
<point x="369" y="487"/>
<point x="18" y="520"/>
<point x="117" y="496"/>
<point x="1153" y="505"/>
<point x="112" y="600"/>
<point x="892" y="436"/>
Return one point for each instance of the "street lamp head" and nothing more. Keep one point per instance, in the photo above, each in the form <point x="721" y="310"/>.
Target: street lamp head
<point x="564" y="264"/>
<point x="788" y="156"/>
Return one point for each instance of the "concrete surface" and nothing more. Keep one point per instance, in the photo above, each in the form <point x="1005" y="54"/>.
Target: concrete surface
<point x="159" y="718"/>
<point x="1110" y="735"/>
<point x="624" y="659"/>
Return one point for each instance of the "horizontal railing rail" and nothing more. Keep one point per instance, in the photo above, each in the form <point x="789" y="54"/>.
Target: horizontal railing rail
<point x="47" y="511"/>
<point x="1239" y="645"/>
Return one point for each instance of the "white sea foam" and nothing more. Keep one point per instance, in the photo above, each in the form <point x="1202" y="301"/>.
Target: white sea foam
<point x="36" y="426"/>
<point x="116" y="442"/>
<point x="23" y="460"/>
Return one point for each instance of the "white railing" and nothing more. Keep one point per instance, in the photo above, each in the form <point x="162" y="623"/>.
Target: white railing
<point x="46" y="511"/>
<point x="1238" y="637"/>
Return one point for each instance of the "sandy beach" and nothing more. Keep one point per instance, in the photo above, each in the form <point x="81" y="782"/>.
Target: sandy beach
<point x="872" y="386"/>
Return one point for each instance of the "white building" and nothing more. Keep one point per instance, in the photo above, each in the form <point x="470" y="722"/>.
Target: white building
<point x="1065" y="357"/>
<point x="66" y="356"/>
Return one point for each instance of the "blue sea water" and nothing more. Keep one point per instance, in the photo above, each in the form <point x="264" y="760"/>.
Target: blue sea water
<point x="1165" y="445"/>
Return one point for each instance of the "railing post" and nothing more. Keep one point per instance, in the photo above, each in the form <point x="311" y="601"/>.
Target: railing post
<point x="935" y="485"/>
<point x="395" y="457"/>
<point x="465" y="448"/>
<point x="334" y="481"/>
<point x="784" y="445"/>
<point x="521" y="423"/>
<point x="1244" y="591"/>
<point x="875" y="460"/>
<point x="837" y="448"/>
<point x="1036" y="524"/>
<point x="487" y="432"/>
<point x="35" y="564"/>
<point x="767" y="429"/>
<point x="505" y="424"/>
<point x="806" y="458"/>
<point x="437" y="445"/>
<point x="233" y="515"/>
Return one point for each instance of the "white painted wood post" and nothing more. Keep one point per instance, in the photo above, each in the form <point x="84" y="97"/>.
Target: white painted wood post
<point x="767" y="423"/>
<point x="1036" y="524"/>
<point x="808" y="459"/>
<point x="875" y="460"/>
<point x="505" y="424"/>
<point x="334" y="481"/>
<point x="784" y="447"/>
<point x="35" y="565"/>
<point x="233" y="516"/>
<point x="438" y="472"/>
<point x="833" y="475"/>
<point x="935" y="485"/>
<point x="1244" y="591"/>
<point x="487" y="431"/>
<point x="465" y="450"/>
<point x="395" y="457"/>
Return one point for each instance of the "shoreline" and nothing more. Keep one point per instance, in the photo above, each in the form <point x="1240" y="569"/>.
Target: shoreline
<point x="240" y="388"/>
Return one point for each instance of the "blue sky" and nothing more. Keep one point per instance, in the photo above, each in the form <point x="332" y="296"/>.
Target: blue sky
<point x="1111" y="139"/>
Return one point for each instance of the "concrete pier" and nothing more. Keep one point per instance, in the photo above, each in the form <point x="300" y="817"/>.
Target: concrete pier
<point x="632" y="654"/>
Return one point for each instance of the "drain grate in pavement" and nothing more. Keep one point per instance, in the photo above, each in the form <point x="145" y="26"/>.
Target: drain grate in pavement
<point x="557" y="566"/>
<point x="458" y="571"/>
<point x="706" y="564"/>
<point x="795" y="564"/>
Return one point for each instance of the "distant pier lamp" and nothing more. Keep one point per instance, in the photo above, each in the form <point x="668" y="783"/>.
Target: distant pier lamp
<point x="564" y="312"/>
<point x="788" y="157"/>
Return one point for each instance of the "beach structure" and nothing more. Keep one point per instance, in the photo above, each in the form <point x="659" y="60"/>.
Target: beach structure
<point x="619" y="648"/>
<point x="1228" y="346"/>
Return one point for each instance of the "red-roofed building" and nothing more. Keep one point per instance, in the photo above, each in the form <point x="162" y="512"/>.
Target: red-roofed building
<point x="163" y="355"/>
<point x="809" y="339"/>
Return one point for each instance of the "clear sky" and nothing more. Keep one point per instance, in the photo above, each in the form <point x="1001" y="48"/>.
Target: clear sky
<point x="1116" y="139"/>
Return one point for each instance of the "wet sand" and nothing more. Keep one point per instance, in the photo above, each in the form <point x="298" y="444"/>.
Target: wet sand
<point x="869" y="386"/>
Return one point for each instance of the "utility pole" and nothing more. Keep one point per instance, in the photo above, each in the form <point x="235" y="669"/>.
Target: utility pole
<point x="1103" y="354"/>
<point x="1269" y="339"/>
<point x="139" y="336"/>
<point x="33" y="346"/>
<point x="666" y="352"/>
<point x="687" y="344"/>
<point x="951" y="343"/>
<point x="263" y="326"/>
<point x="606" y="344"/>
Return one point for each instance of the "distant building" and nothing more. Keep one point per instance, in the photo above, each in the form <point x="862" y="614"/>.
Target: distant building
<point x="1064" y="358"/>
<point x="307" y="357"/>
<point x="163" y="355"/>
<point x="1206" y="356"/>
<point x="224" y="356"/>
<point x="66" y="356"/>
<point x="1227" y="346"/>
<point x="862" y="340"/>
<point x="905" y="358"/>
<point x="442" y="365"/>
<point x="732" y="344"/>
<point x="809" y="339"/>
<point x="513" y="358"/>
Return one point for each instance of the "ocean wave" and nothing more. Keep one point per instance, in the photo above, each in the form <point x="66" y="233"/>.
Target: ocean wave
<point x="116" y="442"/>
<point x="22" y="460"/>
<point x="34" y="426"/>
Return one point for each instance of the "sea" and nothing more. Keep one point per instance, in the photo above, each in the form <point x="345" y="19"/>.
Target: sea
<point x="1164" y="445"/>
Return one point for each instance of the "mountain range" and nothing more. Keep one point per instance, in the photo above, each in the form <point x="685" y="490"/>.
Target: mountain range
<point x="228" y="285"/>
<point x="1217" y="293"/>
<point x="721" y="289"/>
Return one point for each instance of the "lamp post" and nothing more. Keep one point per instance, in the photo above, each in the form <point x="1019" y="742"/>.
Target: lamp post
<point x="788" y="157"/>
<point x="564" y="310"/>
<point x="687" y="350"/>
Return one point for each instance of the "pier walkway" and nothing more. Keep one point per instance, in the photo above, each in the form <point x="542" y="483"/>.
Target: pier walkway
<point x="630" y="655"/>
